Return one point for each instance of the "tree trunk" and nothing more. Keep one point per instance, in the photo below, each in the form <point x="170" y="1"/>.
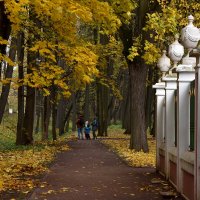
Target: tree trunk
<point x="87" y="103"/>
<point x="102" y="106"/>
<point x="54" y="112"/>
<point x="74" y="114"/>
<point x="138" y="90"/>
<point x="105" y="109"/>
<point x="4" y="26"/>
<point x="149" y="97"/>
<point x="29" y="116"/>
<point x="37" y="125"/>
<point x="42" y="118"/>
<point x="67" y="126"/>
<point x="66" y="120"/>
<point x="137" y="73"/>
<point x="99" y="110"/>
<point x="46" y="117"/>
<point x="155" y="80"/>
<point x="62" y="105"/>
<point x="126" y="117"/>
<point x="39" y="100"/>
<point x="8" y="75"/>
<point x="28" y="125"/>
<point x="111" y="108"/>
<point x="20" y="58"/>
<point x="65" y="105"/>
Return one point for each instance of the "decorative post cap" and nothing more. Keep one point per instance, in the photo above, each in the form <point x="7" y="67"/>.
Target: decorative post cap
<point x="176" y="50"/>
<point x="190" y="35"/>
<point x="190" y="19"/>
<point x="164" y="62"/>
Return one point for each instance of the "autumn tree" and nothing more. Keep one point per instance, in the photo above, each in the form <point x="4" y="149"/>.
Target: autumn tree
<point x="4" y="36"/>
<point x="51" y="61"/>
<point x="150" y="29"/>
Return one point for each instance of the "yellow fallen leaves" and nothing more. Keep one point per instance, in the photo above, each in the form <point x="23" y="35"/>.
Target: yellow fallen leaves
<point x="19" y="167"/>
<point x="1" y="185"/>
<point x="120" y="143"/>
<point x="61" y="190"/>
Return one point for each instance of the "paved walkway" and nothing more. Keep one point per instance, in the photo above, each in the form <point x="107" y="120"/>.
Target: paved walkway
<point x="90" y="171"/>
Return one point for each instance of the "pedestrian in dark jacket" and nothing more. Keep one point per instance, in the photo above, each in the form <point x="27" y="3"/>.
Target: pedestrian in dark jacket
<point x="80" y="125"/>
<point x="94" y="128"/>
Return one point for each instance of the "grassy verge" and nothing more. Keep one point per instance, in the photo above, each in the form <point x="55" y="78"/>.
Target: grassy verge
<point x="21" y="166"/>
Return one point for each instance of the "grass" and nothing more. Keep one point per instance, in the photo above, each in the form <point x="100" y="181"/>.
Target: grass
<point x="115" y="126"/>
<point x="8" y="129"/>
<point x="21" y="165"/>
<point x="7" y="132"/>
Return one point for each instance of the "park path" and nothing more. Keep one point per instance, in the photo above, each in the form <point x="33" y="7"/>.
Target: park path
<point x="90" y="171"/>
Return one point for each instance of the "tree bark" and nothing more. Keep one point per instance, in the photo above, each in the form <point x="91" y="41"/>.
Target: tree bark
<point x="66" y="120"/>
<point x="74" y="114"/>
<point x="4" y="26"/>
<point x="102" y="106"/>
<point x="37" y="125"/>
<point x="27" y="130"/>
<point x="20" y="57"/>
<point x="38" y="110"/>
<point x="87" y="103"/>
<point x="62" y="105"/>
<point x="8" y="76"/>
<point x="138" y="90"/>
<point x="137" y="73"/>
<point x="54" y="112"/>
<point x="28" y="125"/>
<point x="125" y="110"/>
<point x="149" y="98"/>
<point x="46" y="117"/>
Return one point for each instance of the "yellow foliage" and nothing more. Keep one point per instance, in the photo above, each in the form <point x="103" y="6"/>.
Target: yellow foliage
<point x="3" y="42"/>
<point x="103" y="16"/>
<point x="52" y="29"/>
<point x="151" y="54"/>
<point x="164" y="24"/>
<point x="7" y="60"/>
<point x="134" y="50"/>
<point x="124" y="9"/>
<point x="133" y="53"/>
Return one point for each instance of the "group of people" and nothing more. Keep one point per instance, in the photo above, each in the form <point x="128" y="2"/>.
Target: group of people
<point x="84" y="127"/>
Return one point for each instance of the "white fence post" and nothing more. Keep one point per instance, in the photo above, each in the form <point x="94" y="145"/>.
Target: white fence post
<point x="160" y="93"/>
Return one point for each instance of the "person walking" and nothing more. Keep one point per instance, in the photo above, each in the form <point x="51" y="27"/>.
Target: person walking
<point x="87" y="130"/>
<point x="80" y="125"/>
<point x="94" y="128"/>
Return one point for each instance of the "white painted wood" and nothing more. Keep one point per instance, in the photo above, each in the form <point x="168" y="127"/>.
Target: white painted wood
<point x="171" y="86"/>
<point x="160" y="93"/>
<point x="197" y="135"/>
<point x="184" y="79"/>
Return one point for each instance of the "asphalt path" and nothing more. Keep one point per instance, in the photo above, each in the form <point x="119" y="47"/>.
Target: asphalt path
<point x="91" y="171"/>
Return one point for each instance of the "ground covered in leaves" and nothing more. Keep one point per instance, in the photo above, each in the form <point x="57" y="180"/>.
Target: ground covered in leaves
<point x="119" y="142"/>
<point x="22" y="167"/>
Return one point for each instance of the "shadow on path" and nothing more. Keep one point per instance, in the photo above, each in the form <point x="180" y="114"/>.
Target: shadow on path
<point x="90" y="171"/>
